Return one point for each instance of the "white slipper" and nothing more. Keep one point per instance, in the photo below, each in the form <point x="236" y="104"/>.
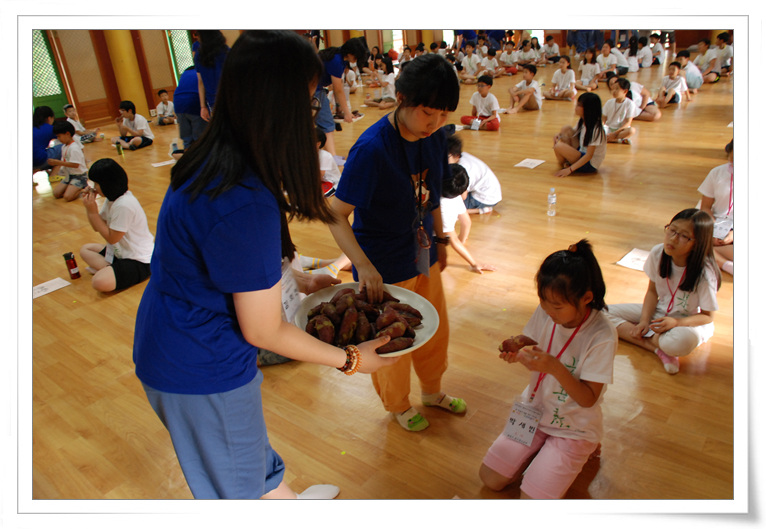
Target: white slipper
<point x="319" y="492"/>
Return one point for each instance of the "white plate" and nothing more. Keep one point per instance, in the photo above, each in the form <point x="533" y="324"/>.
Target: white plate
<point x="423" y="332"/>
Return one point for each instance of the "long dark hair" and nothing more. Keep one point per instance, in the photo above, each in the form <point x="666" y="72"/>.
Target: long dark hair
<point x="356" y="46"/>
<point x="211" y="43"/>
<point x="571" y="274"/>
<point x="632" y="46"/>
<point x="701" y="254"/>
<point x="591" y="117"/>
<point x="253" y="129"/>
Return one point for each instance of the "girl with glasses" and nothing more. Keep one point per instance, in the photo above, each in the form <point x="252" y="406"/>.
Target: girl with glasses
<point x="677" y="313"/>
<point x="392" y="183"/>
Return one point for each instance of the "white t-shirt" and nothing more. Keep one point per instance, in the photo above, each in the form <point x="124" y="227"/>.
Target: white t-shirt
<point x="329" y="166"/>
<point x="618" y="113"/>
<point x="719" y="186"/>
<point x="658" y="50"/>
<point x="678" y="84"/>
<point x="471" y="64"/>
<point x="589" y="71"/>
<point x="552" y="50"/>
<point x="703" y="61"/>
<point x="693" y="74"/>
<point x="489" y="63"/>
<point x="589" y="356"/>
<point x="139" y="124"/>
<point x="451" y="208"/>
<point x="635" y="93"/>
<point x="606" y="62"/>
<point x="485" y="105"/>
<point x="389" y="90"/>
<point x="482" y="182"/>
<point x="78" y="129"/>
<point x="644" y="57"/>
<point x="621" y="60"/>
<point x="73" y="153"/>
<point x="166" y="109"/>
<point x="725" y="55"/>
<point x="538" y="93"/>
<point x="632" y="61"/>
<point x="598" y="141"/>
<point x="508" y="58"/>
<point x="563" y="81"/>
<point x="126" y="215"/>
<point x="530" y="55"/>
<point x="685" y="303"/>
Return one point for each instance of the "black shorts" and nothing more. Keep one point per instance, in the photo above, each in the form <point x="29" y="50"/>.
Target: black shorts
<point x="128" y="272"/>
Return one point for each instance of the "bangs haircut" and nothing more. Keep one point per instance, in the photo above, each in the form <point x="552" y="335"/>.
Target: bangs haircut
<point x="110" y="176"/>
<point x="429" y="80"/>
<point x="701" y="254"/>
<point x="253" y="129"/>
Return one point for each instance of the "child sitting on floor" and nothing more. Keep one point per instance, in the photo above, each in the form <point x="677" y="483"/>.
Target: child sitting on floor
<point x="485" y="107"/>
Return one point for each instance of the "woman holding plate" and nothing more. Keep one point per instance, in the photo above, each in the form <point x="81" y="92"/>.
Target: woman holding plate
<point x="392" y="184"/>
<point x="221" y="267"/>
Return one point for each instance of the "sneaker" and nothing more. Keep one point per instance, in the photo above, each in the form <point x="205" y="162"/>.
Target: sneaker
<point x="670" y="363"/>
<point x="484" y="211"/>
<point x="624" y="141"/>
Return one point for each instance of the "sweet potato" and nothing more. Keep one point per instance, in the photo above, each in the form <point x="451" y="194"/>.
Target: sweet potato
<point x="403" y="307"/>
<point x="388" y="317"/>
<point x="363" y="329"/>
<point x="345" y="301"/>
<point x="324" y="328"/>
<point x="397" y="344"/>
<point x="395" y="330"/>
<point x="340" y="293"/>
<point x="347" y="326"/>
<point x="514" y="343"/>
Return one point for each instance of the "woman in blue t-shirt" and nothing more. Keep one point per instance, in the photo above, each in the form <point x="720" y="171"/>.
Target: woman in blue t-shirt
<point x="392" y="183"/>
<point x="42" y="134"/>
<point x="208" y="62"/>
<point x="222" y="249"/>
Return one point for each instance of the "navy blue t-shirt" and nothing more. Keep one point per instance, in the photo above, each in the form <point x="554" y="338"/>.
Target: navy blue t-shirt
<point x="41" y="137"/>
<point x="332" y="68"/>
<point x="211" y="75"/>
<point x="186" y="95"/>
<point x="187" y="337"/>
<point x="381" y="185"/>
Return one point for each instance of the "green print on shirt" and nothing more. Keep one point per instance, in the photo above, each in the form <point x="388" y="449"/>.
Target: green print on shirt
<point x="558" y="419"/>
<point x="683" y="302"/>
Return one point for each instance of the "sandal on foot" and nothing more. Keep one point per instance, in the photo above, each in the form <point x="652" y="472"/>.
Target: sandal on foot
<point x="411" y="420"/>
<point x="443" y="400"/>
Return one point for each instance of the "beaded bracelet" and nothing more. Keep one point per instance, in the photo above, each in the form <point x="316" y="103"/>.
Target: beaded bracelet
<point x="353" y="360"/>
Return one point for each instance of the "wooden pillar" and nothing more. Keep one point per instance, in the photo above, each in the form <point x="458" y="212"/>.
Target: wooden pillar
<point x="126" y="69"/>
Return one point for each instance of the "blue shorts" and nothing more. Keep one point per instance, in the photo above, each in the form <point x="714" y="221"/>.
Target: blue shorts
<point x="220" y="441"/>
<point x="472" y="203"/>
<point x="145" y="142"/>
<point x="324" y="119"/>
<point x="587" y="168"/>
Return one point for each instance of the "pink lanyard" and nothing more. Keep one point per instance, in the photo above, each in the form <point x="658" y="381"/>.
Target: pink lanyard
<point x="673" y="296"/>
<point x="731" y="192"/>
<point x="542" y="375"/>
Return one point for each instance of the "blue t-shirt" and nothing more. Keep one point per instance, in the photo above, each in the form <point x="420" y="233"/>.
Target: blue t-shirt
<point x="186" y="95"/>
<point x="332" y="68"/>
<point x="41" y="137"/>
<point x="381" y="185"/>
<point x="187" y="338"/>
<point x="211" y="75"/>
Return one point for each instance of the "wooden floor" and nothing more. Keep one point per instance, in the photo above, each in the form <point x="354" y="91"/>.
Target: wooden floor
<point x="96" y="437"/>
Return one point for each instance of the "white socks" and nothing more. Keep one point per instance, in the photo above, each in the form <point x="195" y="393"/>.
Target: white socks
<point x="319" y="492"/>
<point x="728" y="267"/>
<point x="670" y="363"/>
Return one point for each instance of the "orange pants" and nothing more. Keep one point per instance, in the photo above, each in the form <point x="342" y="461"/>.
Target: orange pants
<point x="492" y="125"/>
<point x="430" y="361"/>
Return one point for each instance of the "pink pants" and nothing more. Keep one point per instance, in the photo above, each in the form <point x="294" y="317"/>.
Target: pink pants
<point x="556" y="462"/>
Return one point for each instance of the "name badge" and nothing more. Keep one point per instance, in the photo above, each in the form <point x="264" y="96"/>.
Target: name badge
<point x="424" y="261"/>
<point x="722" y="227"/>
<point x="109" y="254"/>
<point x="291" y="296"/>
<point x="522" y="424"/>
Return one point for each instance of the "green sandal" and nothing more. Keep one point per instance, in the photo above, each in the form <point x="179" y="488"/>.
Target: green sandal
<point x="411" y="420"/>
<point x="453" y="404"/>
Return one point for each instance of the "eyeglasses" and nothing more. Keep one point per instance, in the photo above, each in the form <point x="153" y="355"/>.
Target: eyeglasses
<point x="316" y="106"/>
<point x="671" y="232"/>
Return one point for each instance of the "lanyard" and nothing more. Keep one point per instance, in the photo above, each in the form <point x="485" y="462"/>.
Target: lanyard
<point x="542" y="375"/>
<point x="673" y="296"/>
<point x="731" y="191"/>
<point x="421" y="236"/>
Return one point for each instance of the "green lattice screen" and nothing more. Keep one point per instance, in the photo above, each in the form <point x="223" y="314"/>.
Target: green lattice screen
<point x="180" y="46"/>
<point x="46" y="84"/>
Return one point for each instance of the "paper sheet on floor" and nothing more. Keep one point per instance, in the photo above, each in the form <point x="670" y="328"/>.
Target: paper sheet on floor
<point x="160" y="164"/>
<point x="634" y="259"/>
<point x="49" y="286"/>
<point x="529" y="163"/>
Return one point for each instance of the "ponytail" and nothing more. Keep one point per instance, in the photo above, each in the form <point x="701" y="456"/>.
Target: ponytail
<point x="571" y="273"/>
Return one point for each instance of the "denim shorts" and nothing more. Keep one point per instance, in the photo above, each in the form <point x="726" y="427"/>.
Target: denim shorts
<point x="324" y="119"/>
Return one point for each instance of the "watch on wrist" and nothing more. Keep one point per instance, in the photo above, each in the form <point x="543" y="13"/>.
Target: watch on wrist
<point x="442" y="240"/>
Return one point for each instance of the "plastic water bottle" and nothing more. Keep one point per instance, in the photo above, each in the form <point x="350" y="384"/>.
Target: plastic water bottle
<point x="552" y="202"/>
